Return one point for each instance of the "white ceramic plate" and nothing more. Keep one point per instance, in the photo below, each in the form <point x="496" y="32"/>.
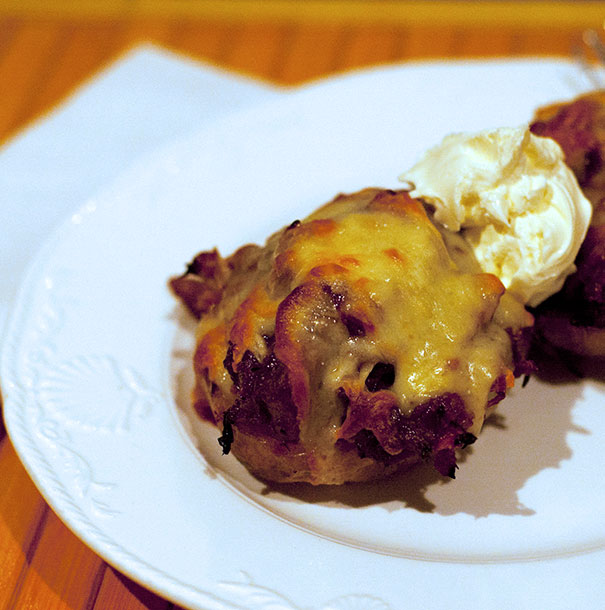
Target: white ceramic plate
<point x="95" y="373"/>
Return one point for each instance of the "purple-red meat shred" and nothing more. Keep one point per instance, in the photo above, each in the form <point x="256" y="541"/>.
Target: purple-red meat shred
<point x="583" y="294"/>
<point x="433" y="431"/>
<point x="521" y="341"/>
<point x="264" y="405"/>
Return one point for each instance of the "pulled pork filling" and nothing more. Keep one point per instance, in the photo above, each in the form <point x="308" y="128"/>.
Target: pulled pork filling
<point x="574" y="318"/>
<point x="434" y="429"/>
<point x="351" y="345"/>
<point x="583" y="295"/>
<point x="264" y="404"/>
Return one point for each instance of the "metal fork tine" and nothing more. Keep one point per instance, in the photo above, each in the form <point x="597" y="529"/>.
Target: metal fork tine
<point x="592" y="40"/>
<point x="579" y="54"/>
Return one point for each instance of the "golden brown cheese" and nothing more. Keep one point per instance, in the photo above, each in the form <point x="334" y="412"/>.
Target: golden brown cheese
<point x="427" y="318"/>
<point x="364" y="282"/>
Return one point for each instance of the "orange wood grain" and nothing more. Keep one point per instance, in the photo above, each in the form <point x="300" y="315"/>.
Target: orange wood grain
<point x="43" y="59"/>
<point x="44" y="56"/>
<point x="374" y="44"/>
<point x="256" y="48"/>
<point x="24" y="65"/>
<point x="62" y="572"/>
<point x="22" y="517"/>
<point x="83" y="50"/>
<point x="117" y="591"/>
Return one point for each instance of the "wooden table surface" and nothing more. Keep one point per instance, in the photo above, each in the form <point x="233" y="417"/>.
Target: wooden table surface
<point x="46" y="52"/>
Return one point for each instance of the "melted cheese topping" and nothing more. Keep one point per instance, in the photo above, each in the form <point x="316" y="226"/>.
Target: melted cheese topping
<point x="430" y="320"/>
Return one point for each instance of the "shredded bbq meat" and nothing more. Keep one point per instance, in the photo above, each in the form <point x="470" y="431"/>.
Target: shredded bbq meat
<point x="588" y="283"/>
<point x="582" y="297"/>
<point x="263" y="405"/>
<point x="575" y="127"/>
<point x="433" y="431"/>
<point x="574" y="318"/>
<point x="202" y="284"/>
<point x="521" y="341"/>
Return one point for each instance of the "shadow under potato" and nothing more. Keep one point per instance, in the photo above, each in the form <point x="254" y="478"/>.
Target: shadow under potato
<point x="526" y="435"/>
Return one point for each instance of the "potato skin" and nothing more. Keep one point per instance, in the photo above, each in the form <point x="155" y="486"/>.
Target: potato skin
<point x="342" y="349"/>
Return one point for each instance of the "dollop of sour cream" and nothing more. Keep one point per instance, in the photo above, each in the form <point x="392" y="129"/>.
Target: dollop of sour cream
<point x="514" y="200"/>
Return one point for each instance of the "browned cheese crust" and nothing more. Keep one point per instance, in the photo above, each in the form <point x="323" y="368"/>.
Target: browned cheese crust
<point x="574" y="319"/>
<point x="350" y="345"/>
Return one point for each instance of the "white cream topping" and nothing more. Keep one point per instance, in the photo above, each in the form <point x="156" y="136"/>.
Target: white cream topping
<point x="513" y="199"/>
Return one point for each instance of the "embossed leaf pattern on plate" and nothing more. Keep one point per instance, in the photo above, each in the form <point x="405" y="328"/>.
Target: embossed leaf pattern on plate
<point x="81" y="394"/>
<point x="96" y="393"/>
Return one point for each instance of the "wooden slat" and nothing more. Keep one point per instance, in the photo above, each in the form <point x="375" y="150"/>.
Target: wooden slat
<point x="374" y="44"/>
<point x="9" y="26"/>
<point x="547" y="41"/>
<point x="199" y="39"/>
<point x="84" y="49"/>
<point x="314" y="51"/>
<point x="117" y="591"/>
<point x="256" y="48"/>
<point x="24" y="63"/>
<point x="62" y="574"/>
<point x="22" y="517"/>
<point x="426" y="42"/>
<point x="498" y="13"/>
<point x="44" y="59"/>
